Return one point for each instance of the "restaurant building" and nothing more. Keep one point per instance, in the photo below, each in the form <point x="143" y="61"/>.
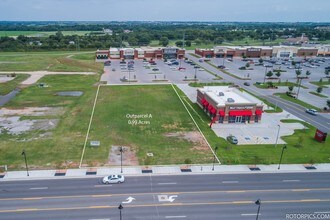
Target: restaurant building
<point x="224" y="104"/>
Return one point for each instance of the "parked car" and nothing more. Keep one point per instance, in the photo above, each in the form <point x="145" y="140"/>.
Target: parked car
<point x="113" y="179"/>
<point x="311" y="111"/>
<point x="246" y="84"/>
<point x="201" y="60"/>
<point x="155" y="69"/>
<point x="268" y="65"/>
<point x="221" y="67"/>
<point x="182" y="68"/>
<point x="232" y="139"/>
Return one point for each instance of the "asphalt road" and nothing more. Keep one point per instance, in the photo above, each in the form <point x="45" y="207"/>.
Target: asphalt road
<point x="229" y="196"/>
<point x="318" y="121"/>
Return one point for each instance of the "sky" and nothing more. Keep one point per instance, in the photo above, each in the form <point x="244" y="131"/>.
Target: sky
<point x="166" y="10"/>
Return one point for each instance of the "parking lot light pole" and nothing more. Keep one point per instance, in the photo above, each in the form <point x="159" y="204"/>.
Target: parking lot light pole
<point x="279" y="164"/>
<point x="265" y="75"/>
<point x="121" y="159"/>
<point x="120" y="207"/>
<point x="258" y="203"/>
<point x="195" y="75"/>
<point x="26" y="165"/>
<point x="215" y="153"/>
<point x="278" y="132"/>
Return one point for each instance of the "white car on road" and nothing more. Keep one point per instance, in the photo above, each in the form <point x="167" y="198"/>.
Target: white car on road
<point x="113" y="179"/>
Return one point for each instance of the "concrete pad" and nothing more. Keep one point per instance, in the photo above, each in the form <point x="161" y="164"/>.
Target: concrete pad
<point x="264" y="132"/>
<point x="284" y="167"/>
<point x="76" y="172"/>
<point x="32" y="174"/>
<point x="166" y="169"/>
<point x="116" y="170"/>
<point x="323" y="167"/>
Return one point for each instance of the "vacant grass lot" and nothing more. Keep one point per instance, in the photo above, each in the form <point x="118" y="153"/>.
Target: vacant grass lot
<point x="157" y="134"/>
<point x="65" y="143"/>
<point x="49" y="61"/>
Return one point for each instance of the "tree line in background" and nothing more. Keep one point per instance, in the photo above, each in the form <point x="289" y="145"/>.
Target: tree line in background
<point x="143" y="33"/>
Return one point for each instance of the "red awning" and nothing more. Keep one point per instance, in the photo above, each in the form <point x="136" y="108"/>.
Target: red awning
<point x="258" y="112"/>
<point x="210" y="107"/>
<point x="222" y="113"/>
<point x="213" y="110"/>
<point x="205" y="103"/>
<point x="240" y="113"/>
<point x="203" y="100"/>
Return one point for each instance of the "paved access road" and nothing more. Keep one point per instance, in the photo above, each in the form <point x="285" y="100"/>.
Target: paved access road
<point x="320" y="121"/>
<point x="229" y="196"/>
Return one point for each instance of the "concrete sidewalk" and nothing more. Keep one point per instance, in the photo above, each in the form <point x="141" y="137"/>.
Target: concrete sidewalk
<point x="162" y="170"/>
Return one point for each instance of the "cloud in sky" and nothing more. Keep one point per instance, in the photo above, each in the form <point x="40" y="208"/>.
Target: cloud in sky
<point x="169" y="10"/>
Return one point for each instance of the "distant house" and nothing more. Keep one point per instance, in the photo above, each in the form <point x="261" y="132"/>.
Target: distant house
<point x="127" y="31"/>
<point x="107" y="31"/>
<point x="71" y="42"/>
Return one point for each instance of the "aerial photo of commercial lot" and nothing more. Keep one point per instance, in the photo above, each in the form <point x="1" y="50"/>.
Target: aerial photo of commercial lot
<point x="145" y="116"/>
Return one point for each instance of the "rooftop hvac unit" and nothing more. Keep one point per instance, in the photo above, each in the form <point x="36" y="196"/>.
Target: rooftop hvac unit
<point x="230" y="100"/>
<point x="221" y="94"/>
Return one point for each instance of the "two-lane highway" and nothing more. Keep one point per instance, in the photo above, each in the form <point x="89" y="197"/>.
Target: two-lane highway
<point x="229" y="196"/>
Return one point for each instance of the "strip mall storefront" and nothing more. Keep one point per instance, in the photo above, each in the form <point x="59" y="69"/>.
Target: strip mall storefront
<point x="229" y="105"/>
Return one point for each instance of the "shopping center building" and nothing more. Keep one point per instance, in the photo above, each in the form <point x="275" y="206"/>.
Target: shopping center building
<point x="257" y="51"/>
<point x="141" y="53"/>
<point x="225" y="104"/>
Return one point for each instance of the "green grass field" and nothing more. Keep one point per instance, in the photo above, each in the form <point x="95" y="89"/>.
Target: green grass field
<point x="50" y="61"/>
<point x="7" y="87"/>
<point x="158" y="134"/>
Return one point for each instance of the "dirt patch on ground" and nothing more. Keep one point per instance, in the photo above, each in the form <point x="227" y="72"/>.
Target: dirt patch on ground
<point x="31" y="111"/>
<point x="129" y="156"/>
<point x="175" y="125"/>
<point x="11" y="122"/>
<point x="192" y="136"/>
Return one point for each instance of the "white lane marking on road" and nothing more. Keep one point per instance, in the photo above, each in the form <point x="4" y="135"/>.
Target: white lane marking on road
<point x="178" y="216"/>
<point x="229" y="181"/>
<point x="249" y="214"/>
<point x="290" y="180"/>
<point x="166" y="183"/>
<point x="99" y="219"/>
<point x="102" y="185"/>
<point x="35" y="188"/>
<point x="129" y="200"/>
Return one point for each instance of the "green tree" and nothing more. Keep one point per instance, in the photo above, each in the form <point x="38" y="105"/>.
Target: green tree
<point x="164" y="41"/>
<point x="327" y="72"/>
<point x="187" y="43"/>
<point x="290" y="88"/>
<point x="308" y="73"/>
<point x="319" y="89"/>
<point x="298" y="73"/>
<point x="328" y="103"/>
<point x="261" y="60"/>
<point x="179" y="43"/>
<point x="247" y="65"/>
<point x="269" y="74"/>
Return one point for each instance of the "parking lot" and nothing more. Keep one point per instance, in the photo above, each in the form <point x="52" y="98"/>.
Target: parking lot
<point x="144" y="72"/>
<point x="257" y="73"/>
